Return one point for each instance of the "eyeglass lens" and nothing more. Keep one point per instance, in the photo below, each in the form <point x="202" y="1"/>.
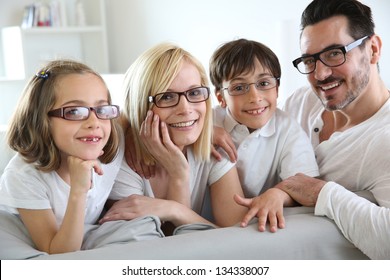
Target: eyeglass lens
<point x="332" y="57"/>
<point x="170" y="99"/>
<point x="104" y="112"/>
<point x="263" y="84"/>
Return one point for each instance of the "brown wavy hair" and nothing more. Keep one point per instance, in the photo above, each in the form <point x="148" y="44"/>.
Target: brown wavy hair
<point x="29" y="131"/>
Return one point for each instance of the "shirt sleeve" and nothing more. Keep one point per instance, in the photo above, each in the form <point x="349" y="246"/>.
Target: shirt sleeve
<point x="362" y="222"/>
<point x="23" y="191"/>
<point x="127" y="182"/>
<point x="219" y="114"/>
<point x="219" y="168"/>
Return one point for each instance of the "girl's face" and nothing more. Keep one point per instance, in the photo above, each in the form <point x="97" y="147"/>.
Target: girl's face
<point x="185" y="120"/>
<point x="84" y="139"/>
<point x="254" y="108"/>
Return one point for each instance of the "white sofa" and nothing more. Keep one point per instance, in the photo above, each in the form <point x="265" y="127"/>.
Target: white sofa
<point x="306" y="237"/>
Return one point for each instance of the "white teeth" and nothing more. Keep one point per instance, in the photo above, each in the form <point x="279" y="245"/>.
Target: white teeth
<point x="255" y="112"/>
<point x="90" y="139"/>
<point x="330" y="86"/>
<point x="182" y="124"/>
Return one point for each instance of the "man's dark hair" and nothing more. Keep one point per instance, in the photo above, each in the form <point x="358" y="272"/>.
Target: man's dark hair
<point x="359" y="15"/>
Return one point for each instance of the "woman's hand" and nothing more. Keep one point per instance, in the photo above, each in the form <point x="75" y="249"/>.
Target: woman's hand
<point x="135" y="206"/>
<point x="144" y="170"/>
<point x="156" y="138"/>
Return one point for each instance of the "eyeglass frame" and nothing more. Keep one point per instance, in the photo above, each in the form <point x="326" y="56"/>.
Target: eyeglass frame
<point x="152" y="99"/>
<point x="60" y="112"/>
<point x="247" y="86"/>
<point x="316" y="56"/>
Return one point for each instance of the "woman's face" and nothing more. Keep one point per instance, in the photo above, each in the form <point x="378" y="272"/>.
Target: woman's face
<point x="185" y="120"/>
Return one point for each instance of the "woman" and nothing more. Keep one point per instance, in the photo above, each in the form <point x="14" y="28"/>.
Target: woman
<point x="169" y="114"/>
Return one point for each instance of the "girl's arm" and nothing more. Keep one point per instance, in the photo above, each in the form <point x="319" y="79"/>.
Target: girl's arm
<point x="42" y="224"/>
<point x="45" y="233"/>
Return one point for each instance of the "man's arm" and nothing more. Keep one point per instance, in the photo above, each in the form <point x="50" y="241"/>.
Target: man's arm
<point x="362" y="222"/>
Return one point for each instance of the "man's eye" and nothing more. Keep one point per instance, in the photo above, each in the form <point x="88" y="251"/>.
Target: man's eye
<point x="335" y="53"/>
<point x="308" y="61"/>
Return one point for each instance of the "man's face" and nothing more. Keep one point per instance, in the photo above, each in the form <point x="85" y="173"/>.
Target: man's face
<point x="337" y="87"/>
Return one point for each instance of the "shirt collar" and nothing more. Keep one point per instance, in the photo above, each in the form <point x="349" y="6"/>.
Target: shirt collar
<point x="267" y="130"/>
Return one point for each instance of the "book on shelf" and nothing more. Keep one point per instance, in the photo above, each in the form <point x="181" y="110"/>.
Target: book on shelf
<point x="44" y="14"/>
<point x="28" y="16"/>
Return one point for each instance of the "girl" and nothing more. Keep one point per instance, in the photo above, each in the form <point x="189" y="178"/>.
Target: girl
<point x="169" y="112"/>
<point x="63" y="132"/>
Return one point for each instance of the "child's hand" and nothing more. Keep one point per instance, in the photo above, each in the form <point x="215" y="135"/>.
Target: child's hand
<point x="80" y="173"/>
<point x="267" y="207"/>
<point x="223" y="139"/>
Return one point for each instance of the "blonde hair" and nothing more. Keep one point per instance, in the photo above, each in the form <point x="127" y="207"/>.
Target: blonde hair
<point x="153" y="73"/>
<point x="29" y="131"/>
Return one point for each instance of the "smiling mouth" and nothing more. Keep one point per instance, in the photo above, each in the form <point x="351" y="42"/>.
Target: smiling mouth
<point x="257" y="111"/>
<point x="330" y="86"/>
<point x="90" y="139"/>
<point x="183" y="124"/>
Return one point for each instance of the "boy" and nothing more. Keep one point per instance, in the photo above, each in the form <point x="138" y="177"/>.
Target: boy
<point x="270" y="145"/>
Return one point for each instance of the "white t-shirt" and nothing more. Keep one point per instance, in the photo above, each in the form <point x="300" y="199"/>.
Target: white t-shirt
<point x="202" y="175"/>
<point x="23" y="186"/>
<point x="358" y="159"/>
<point x="268" y="155"/>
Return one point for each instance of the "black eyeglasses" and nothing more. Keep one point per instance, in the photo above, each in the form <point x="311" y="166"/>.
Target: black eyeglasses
<point x="78" y="113"/>
<point x="263" y="84"/>
<point x="171" y="99"/>
<point x="331" y="57"/>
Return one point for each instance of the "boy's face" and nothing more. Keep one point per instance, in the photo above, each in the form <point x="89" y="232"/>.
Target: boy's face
<point x="255" y="107"/>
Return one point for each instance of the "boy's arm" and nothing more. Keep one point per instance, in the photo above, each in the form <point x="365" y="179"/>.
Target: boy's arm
<point x="222" y="139"/>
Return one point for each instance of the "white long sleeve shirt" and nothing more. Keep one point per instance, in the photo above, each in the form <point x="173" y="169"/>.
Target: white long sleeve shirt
<point x="358" y="159"/>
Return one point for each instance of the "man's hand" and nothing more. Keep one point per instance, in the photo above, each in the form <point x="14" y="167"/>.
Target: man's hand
<point x="303" y="189"/>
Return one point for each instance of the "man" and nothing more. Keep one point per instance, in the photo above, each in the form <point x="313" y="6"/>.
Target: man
<point x="348" y="121"/>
